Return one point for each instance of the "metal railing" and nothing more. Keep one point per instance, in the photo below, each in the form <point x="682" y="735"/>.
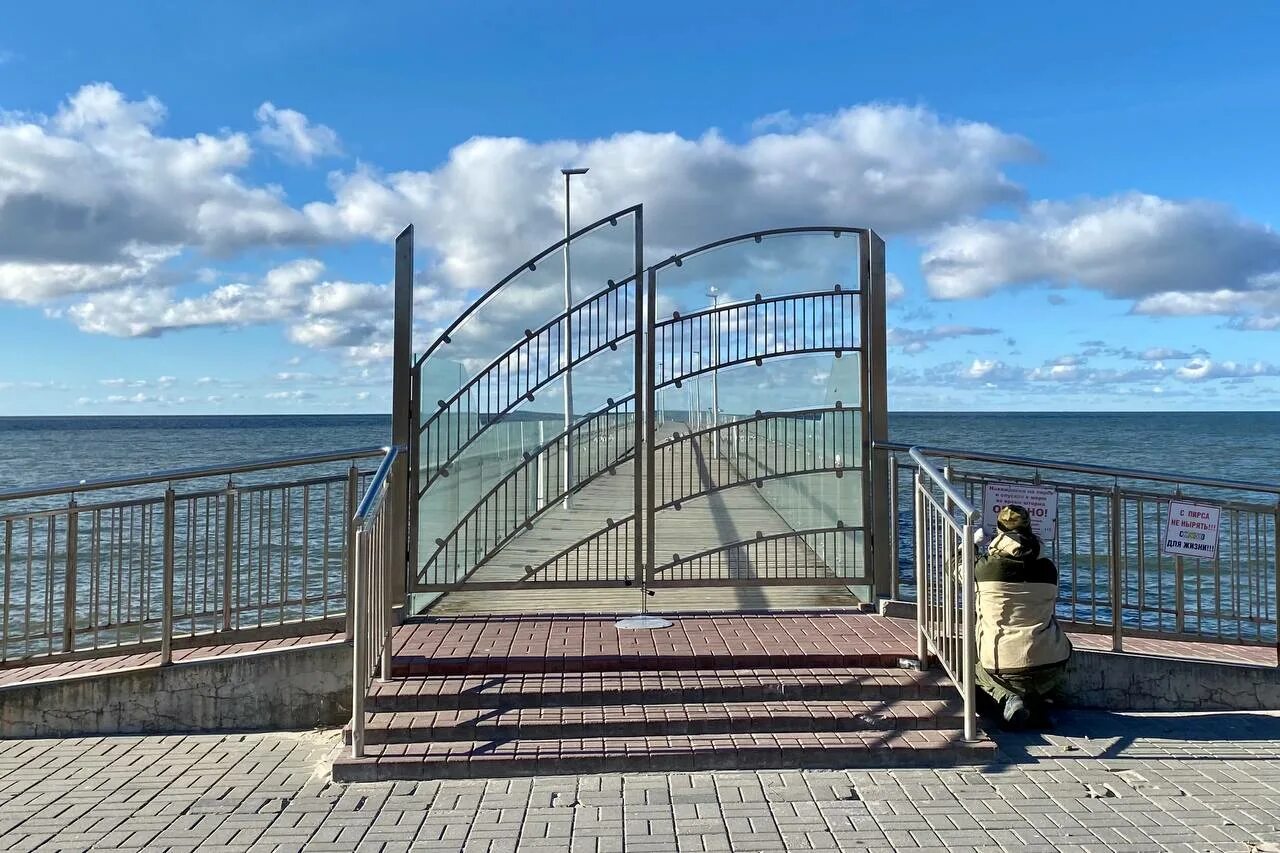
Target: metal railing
<point x="371" y="612"/>
<point x="99" y="565"/>
<point x="1113" y="576"/>
<point x="946" y="622"/>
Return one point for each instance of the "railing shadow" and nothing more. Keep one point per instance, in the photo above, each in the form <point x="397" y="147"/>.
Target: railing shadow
<point x="1090" y="734"/>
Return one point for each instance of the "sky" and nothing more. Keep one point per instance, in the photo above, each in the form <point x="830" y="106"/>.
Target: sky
<point x="198" y="201"/>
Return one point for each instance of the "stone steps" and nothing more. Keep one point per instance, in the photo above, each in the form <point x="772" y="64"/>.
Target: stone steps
<point x="667" y="753"/>
<point x="627" y="721"/>
<point x="525" y="696"/>
<point x="548" y="690"/>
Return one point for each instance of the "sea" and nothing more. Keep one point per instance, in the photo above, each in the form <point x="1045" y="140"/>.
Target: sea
<point x="1242" y="446"/>
<point x="1232" y="445"/>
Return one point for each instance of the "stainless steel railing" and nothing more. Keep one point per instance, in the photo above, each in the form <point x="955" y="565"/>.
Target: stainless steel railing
<point x="1106" y="543"/>
<point x="946" y="615"/>
<point x="371" y="613"/>
<point x="98" y="565"/>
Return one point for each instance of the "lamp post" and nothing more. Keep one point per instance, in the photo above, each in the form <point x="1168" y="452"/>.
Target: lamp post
<point x="714" y="293"/>
<point x="568" y="344"/>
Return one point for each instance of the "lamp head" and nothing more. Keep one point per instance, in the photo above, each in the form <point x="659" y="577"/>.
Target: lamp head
<point x="567" y="172"/>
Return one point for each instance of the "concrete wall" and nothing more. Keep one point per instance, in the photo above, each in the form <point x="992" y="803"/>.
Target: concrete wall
<point x="1133" y="682"/>
<point x="1129" y="682"/>
<point x="294" y="688"/>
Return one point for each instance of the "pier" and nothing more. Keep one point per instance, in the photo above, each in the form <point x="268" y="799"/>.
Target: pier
<point x="700" y="442"/>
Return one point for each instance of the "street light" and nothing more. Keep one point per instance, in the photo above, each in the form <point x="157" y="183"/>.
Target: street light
<point x="568" y="343"/>
<point x="714" y="293"/>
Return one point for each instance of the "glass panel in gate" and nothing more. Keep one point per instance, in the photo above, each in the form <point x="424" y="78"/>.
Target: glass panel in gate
<point x="759" y="456"/>
<point x="507" y="476"/>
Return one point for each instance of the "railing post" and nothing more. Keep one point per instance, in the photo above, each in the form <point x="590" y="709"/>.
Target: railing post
<point x="967" y="627"/>
<point x="69" y="594"/>
<point x="166" y="611"/>
<point x="922" y="615"/>
<point x="1275" y="548"/>
<point x="228" y="554"/>
<point x="349" y="546"/>
<point x="893" y="525"/>
<point x="356" y="604"/>
<point x="1179" y="597"/>
<point x="1117" y="571"/>
<point x="383" y="603"/>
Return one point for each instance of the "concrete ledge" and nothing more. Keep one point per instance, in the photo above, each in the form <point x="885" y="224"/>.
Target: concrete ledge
<point x="1132" y="682"/>
<point x="896" y="609"/>
<point x="292" y="688"/>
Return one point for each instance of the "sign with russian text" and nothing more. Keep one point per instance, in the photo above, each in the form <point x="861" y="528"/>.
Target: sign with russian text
<point x="1041" y="502"/>
<point x="1192" y="530"/>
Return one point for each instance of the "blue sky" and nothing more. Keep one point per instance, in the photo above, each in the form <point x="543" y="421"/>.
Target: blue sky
<point x="196" y="201"/>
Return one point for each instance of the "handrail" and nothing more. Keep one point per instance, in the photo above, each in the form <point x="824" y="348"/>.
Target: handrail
<point x="191" y="473"/>
<point x="917" y="453"/>
<point x="373" y="562"/>
<point x="376" y="489"/>
<point x="530" y="264"/>
<point x="1079" y="468"/>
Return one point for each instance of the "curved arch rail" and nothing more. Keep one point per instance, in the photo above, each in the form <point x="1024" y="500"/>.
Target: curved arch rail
<point x="603" y="440"/>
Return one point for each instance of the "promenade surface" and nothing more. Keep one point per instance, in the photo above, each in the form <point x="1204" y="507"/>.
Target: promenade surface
<point x="1102" y="782"/>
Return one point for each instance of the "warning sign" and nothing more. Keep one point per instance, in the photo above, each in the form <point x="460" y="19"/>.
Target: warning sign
<point x="1041" y="502"/>
<point x="1192" y="530"/>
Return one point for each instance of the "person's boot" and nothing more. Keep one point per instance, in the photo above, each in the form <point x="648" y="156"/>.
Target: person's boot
<point x="1016" y="712"/>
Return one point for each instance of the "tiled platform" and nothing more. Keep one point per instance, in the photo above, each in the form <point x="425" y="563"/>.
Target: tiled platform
<point x="118" y="663"/>
<point x="533" y="644"/>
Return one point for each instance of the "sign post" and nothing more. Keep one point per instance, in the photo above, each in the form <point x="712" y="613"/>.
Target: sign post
<point x="1040" y="502"/>
<point x="1191" y="531"/>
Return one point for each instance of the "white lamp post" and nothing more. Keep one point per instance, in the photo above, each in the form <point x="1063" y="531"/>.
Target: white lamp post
<point x="568" y="344"/>
<point x="714" y="293"/>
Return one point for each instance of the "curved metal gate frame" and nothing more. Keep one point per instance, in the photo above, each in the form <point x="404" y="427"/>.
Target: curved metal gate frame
<point x="624" y="431"/>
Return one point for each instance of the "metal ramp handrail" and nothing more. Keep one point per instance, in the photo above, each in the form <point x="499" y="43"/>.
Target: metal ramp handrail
<point x="371" y="610"/>
<point x="946" y="622"/>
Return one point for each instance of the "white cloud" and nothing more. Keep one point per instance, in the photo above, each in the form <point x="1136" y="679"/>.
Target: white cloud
<point x="918" y="340"/>
<point x="901" y="169"/>
<point x="295" y="395"/>
<point x="1200" y="369"/>
<point x="1171" y="257"/>
<point x="1256" y="323"/>
<point x="94" y="198"/>
<point x="292" y="135"/>
<point x="894" y="289"/>
<point x="315" y="313"/>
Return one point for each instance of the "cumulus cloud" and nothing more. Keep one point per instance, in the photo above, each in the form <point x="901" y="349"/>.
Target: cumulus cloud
<point x="902" y="169"/>
<point x="292" y="294"/>
<point x="1170" y="257"/>
<point x="292" y="135"/>
<point x="93" y="197"/>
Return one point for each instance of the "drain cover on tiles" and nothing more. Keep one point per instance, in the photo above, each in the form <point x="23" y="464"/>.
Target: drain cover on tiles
<point x="642" y="623"/>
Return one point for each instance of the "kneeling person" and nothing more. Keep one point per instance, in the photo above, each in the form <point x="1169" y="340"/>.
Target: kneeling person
<point x="1022" y="652"/>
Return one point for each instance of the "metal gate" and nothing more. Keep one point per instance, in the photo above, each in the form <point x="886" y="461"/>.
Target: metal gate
<point x="705" y="421"/>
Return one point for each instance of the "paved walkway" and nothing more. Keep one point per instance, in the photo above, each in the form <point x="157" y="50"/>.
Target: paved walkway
<point x="1105" y="782"/>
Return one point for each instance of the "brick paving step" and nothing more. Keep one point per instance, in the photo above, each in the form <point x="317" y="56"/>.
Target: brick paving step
<point x="621" y="721"/>
<point x="454" y="692"/>
<point x="540" y="661"/>
<point x="761" y="751"/>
